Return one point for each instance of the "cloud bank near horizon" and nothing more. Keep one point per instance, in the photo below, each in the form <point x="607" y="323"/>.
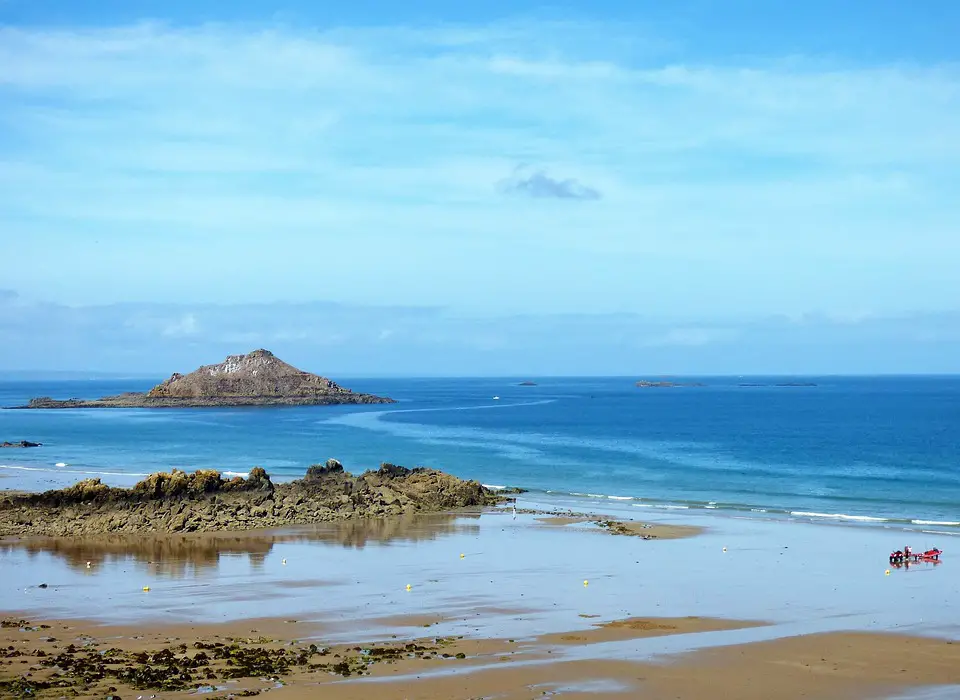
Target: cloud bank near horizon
<point x="350" y="340"/>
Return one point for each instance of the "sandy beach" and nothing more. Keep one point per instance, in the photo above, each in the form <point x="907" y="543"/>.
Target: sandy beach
<point x="481" y="604"/>
<point x="286" y="659"/>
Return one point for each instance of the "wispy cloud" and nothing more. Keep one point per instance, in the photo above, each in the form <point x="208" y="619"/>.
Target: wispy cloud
<point x="186" y="325"/>
<point x="689" y="337"/>
<point x="539" y="184"/>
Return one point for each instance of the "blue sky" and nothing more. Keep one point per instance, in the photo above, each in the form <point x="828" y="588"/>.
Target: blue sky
<point x="502" y="188"/>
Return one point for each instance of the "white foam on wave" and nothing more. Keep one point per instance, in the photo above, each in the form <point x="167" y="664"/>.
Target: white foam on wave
<point x="935" y="522"/>
<point x="838" y="516"/>
<point x="621" y="498"/>
<point x="243" y="474"/>
<point x="493" y="487"/>
<point x="61" y="464"/>
<point x="69" y="471"/>
<point x="661" y="506"/>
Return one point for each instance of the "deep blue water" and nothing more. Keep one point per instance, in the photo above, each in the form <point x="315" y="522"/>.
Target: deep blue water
<point x="862" y="447"/>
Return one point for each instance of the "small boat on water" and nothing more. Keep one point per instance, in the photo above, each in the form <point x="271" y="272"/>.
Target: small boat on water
<point x="906" y="555"/>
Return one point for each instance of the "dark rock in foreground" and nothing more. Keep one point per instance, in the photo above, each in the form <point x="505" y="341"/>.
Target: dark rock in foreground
<point x="204" y="501"/>
<point x="256" y="379"/>
<point x="22" y="443"/>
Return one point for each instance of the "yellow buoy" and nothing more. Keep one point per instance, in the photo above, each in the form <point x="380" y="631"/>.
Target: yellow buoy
<point x="461" y="556"/>
<point x="887" y="572"/>
<point x="409" y="586"/>
<point x="585" y="582"/>
<point x="146" y="589"/>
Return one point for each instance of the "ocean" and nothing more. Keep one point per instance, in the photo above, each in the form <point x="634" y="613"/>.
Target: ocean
<point x="879" y="451"/>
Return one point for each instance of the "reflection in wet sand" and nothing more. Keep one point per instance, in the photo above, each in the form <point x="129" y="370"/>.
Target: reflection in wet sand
<point x="183" y="555"/>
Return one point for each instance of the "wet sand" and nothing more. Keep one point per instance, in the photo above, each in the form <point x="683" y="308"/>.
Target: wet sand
<point x="288" y="659"/>
<point x="538" y="607"/>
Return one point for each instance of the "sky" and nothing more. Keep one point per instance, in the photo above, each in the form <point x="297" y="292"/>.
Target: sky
<point x="370" y="188"/>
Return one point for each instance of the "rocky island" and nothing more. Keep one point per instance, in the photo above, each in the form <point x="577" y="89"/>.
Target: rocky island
<point x="21" y="443"/>
<point x="204" y="501"/>
<point x="258" y="378"/>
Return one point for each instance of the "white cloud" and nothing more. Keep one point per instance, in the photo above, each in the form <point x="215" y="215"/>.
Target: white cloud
<point x="690" y="337"/>
<point x="186" y="325"/>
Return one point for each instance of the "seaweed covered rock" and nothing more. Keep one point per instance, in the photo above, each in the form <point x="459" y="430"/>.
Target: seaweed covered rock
<point x="202" y="501"/>
<point x="318" y="471"/>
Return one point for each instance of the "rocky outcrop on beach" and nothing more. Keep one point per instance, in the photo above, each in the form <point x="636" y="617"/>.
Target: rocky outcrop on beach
<point x="204" y="501"/>
<point x="258" y="378"/>
<point x="21" y="443"/>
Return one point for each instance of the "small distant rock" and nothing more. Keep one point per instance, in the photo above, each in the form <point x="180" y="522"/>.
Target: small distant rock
<point x="21" y="443"/>
<point x="646" y="383"/>
<point x="527" y="383"/>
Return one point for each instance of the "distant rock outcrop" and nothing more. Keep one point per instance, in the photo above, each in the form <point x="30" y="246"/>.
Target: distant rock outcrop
<point x="22" y="443"/>
<point x="646" y="383"/>
<point x="527" y="383"/>
<point x="256" y="379"/>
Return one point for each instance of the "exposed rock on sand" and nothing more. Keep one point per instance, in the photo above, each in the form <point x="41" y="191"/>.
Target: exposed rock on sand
<point x="646" y="531"/>
<point x="256" y="379"/>
<point x="204" y="501"/>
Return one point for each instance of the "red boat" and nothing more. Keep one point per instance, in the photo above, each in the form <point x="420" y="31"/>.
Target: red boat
<point x="906" y="555"/>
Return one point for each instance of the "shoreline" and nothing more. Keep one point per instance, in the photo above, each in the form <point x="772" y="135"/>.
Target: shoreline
<point x="27" y="479"/>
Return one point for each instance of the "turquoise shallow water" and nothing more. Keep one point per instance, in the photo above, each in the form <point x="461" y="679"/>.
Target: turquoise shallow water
<point x="881" y="451"/>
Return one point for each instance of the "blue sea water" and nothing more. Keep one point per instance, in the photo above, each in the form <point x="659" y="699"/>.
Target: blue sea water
<point x="865" y="450"/>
